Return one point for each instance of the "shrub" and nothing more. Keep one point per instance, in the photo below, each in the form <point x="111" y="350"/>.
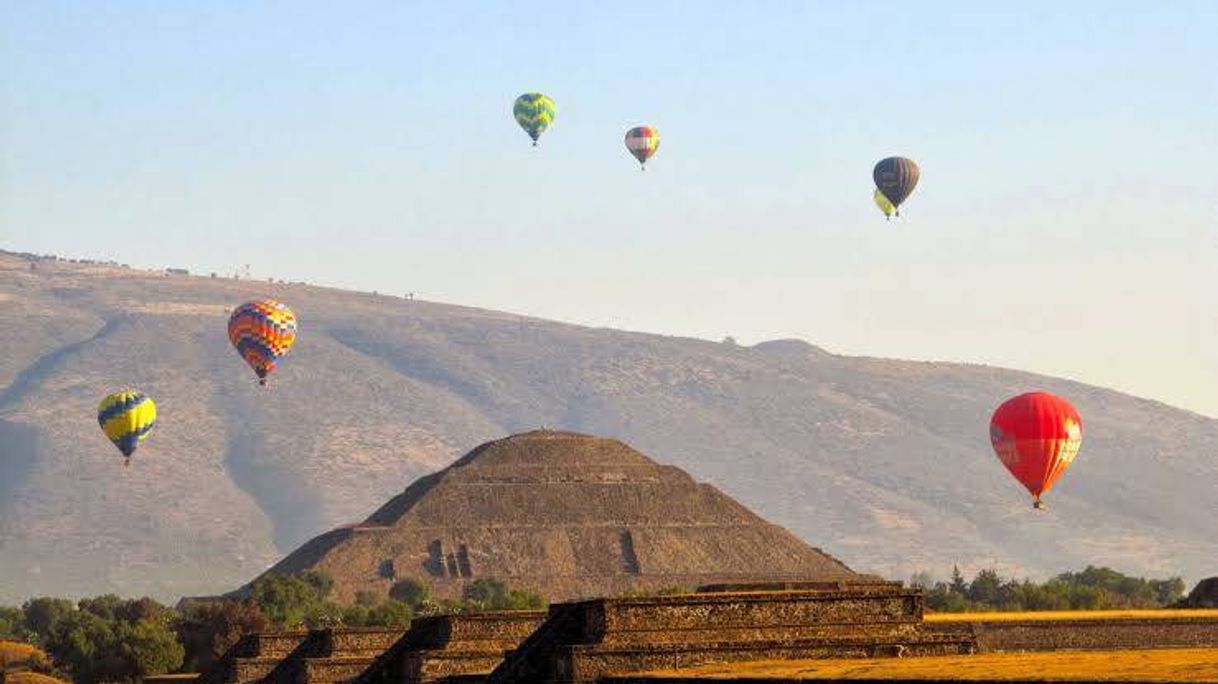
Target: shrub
<point x="207" y="629"/>
<point x="410" y="591"/>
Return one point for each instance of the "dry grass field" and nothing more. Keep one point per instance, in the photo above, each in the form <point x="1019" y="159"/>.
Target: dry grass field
<point x="15" y="653"/>
<point x="1072" y="615"/>
<point x="14" y="657"/>
<point x="31" y="678"/>
<point x="1162" y="665"/>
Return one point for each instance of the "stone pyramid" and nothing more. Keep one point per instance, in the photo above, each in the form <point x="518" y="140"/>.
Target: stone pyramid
<point x="565" y="514"/>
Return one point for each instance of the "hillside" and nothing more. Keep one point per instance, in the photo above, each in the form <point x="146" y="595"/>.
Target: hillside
<point x="885" y="464"/>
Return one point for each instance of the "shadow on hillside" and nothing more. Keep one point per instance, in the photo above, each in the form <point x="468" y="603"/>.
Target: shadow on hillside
<point x="294" y="511"/>
<point x="28" y="379"/>
<point x="18" y="452"/>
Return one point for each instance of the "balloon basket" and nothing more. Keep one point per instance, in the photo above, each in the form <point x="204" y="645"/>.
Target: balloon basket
<point x="1038" y="505"/>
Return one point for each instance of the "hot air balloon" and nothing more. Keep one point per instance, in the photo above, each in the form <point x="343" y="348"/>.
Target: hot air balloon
<point x="896" y="178"/>
<point x="642" y="142"/>
<point x="126" y="417"/>
<point x="262" y="332"/>
<point x="885" y="206"/>
<point x="1036" y="436"/>
<point x="534" y="112"/>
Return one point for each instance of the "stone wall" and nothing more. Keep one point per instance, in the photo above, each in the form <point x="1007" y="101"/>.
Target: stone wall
<point x="582" y="641"/>
<point x="1094" y="634"/>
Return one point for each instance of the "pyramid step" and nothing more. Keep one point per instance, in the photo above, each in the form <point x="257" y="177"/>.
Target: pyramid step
<point x="425" y="666"/>
<point x="512" y="626"/>
<point x="356" y="641"/>
<point x="273" y="644"/>
<point x="332" y="670"/>
<point x="755" y="610"/>
<point x="251" y="669"/>
<point x="889" y="630"/>
<point x="578" y="664"/>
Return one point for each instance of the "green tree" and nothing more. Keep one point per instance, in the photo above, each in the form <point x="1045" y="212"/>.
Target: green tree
<point x="109" y="639"/>
<point x="958" y="585"/>
<point x="410" y="591"/>
<point x="485" y="594"/>
<point x="492" y="594"/>
<point x="207" y="629"/>
<point x="147" y="647"/>
<point x="12" y="625"/>
<point x="290" y="601"/>
<point x="391" y="613"/>
<point x="43" y="614"/>
<point x="82" y="643"/>
<point x="106" y="606"/>
<point x="386" y="613"/>
<point x="984" y="589"/>
<point x="1167" y="592"/>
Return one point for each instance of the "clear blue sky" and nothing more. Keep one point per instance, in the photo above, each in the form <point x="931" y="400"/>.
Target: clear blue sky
<point x="1065" y="222"/>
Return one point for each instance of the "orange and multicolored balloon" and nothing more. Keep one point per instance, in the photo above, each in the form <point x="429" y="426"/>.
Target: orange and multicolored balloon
<point x="262" y="332"/>
<point x="1036" y="436"/>
<point x="642" y="142"/>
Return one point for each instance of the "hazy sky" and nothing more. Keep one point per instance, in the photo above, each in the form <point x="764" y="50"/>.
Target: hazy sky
<point x="1065" y="221"/>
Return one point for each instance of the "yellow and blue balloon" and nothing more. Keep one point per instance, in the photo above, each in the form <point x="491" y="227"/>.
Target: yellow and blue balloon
<point x="126" y="417"/>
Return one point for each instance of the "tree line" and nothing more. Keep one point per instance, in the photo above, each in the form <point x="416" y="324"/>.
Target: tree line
<point x="111" y="639"/>
<point x="1094" y="588"/>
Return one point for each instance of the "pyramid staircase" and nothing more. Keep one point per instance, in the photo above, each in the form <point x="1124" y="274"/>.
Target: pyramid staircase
<point x="326" y="656"/>
<point x="450" y="648"/>
<point x="585" y="640"/>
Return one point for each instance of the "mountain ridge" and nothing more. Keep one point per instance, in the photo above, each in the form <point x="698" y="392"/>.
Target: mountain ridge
<point x="883" y="463"/>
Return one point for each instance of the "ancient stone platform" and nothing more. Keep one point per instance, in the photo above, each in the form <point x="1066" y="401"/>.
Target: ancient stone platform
<point x="446" y="648"/>
<point x="585" y="640"/>
<point x="326" y="656"/>
<point x="1094" y="633"/>
<point x="452" y="648"/>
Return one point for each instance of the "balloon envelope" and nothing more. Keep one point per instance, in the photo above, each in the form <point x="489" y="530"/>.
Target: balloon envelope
<point x="126" y="417"/>
<point x="1036" y="436"/>
<point x="534" y="112"/>
<point x="642" y="142"/>
<point x="896" y="177"/>
<point x="262" y="332"/>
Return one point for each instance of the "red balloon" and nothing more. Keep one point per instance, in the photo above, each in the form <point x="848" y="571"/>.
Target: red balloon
<point x="1036" y="436"/>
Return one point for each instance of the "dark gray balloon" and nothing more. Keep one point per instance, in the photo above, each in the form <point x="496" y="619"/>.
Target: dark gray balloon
<point x="896" y="177"/>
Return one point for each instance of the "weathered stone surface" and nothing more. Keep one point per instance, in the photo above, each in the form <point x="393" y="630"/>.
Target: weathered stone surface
<point x="442" y="647"/>
<point x="333" y="669"/>
<point x="583" y="641"/>
<point x="1092" y="634"/>
<point x="253" y="669"/>
<point x="273" y="644"/>
<point x="568" y="515"/>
